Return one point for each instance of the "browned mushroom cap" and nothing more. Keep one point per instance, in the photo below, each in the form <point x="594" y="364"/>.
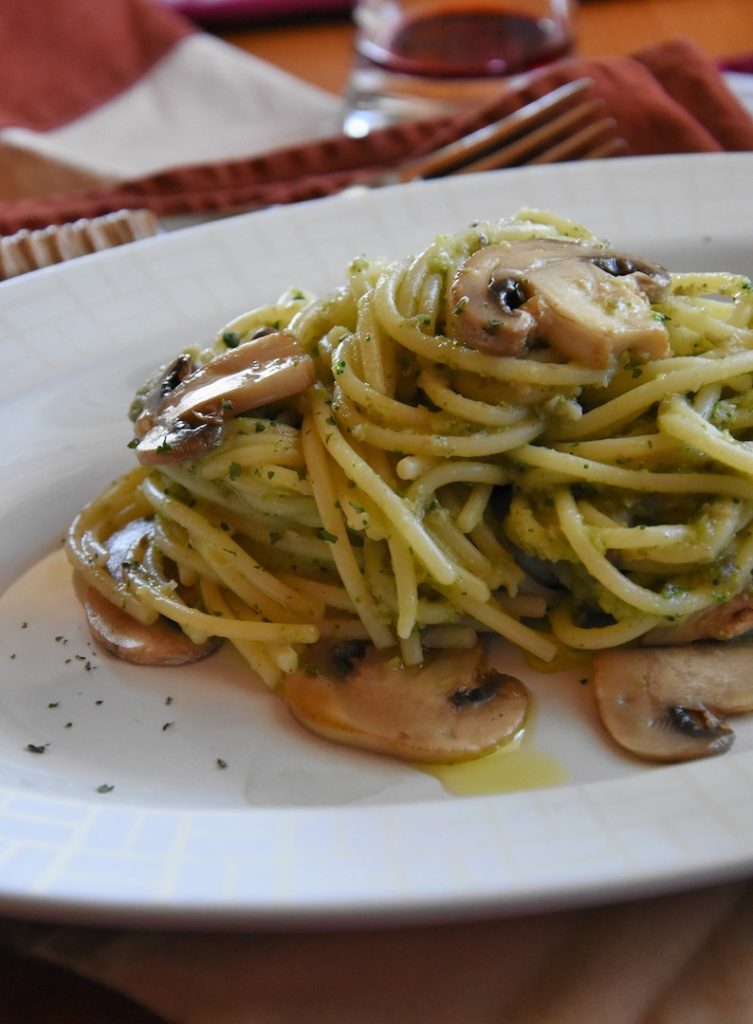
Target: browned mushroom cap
<point x="162" y="642"/>
<point x="486" y="305"/>
<point x="664" y="704"/>
<point x="653" y="279"/>
<point x="259" y="372"/>
<point x="587" y="301"/>
<point x="449" y="709"/>
<point x="150" y="398"/>
<point x="180" y="440"/>
<point x="722" y="622"/>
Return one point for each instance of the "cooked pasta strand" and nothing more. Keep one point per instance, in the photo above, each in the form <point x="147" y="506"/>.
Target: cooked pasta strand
<point x="424" y="492"/>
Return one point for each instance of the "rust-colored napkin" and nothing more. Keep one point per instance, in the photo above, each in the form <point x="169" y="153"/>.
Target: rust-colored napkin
<point x="95" y="93"/>
<point x="669" y="98"/>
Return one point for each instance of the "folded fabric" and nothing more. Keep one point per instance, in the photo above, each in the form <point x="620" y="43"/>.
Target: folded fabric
<point x="685" y="958"/>
<point x="669" y="98"/>
<point x="93" y="93"/>
<point x="228" y="12"/>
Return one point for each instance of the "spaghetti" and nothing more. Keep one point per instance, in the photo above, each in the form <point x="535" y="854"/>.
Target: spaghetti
<point x="422" y="491"/>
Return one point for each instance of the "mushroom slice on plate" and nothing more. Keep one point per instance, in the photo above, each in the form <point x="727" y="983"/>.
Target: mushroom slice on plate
<point x="180" y="440"/>
<point x="158" y="643"/>
<point x="486" y="304"/>
<point x="150" y="398"/>
<point x="256" y="373"/>
<point x="161" y="643"/>
<point x="586" y="301"/>
<point x="189" y="420"/>
<point x="666" y="703"/>
<point x="449" y="709"/>
<point x="590" y="316"/>
<point x="725" y="621"/>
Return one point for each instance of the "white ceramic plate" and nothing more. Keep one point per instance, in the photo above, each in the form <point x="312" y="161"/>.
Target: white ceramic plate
<point x="292" y="830"/>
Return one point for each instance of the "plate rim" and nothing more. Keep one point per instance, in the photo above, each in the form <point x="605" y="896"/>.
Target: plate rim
<point x="326" y="909"/>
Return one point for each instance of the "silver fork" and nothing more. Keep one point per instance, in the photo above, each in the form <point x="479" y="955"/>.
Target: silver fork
<point x="564" y="124"/>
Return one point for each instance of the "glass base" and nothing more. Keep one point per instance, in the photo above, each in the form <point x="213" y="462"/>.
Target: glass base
<point x="377" y="98"/>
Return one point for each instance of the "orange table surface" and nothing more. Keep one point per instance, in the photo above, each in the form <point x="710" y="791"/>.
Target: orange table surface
<point x="319" y="50"/>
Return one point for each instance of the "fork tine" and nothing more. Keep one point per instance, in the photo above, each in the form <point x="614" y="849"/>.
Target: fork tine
<point x="607" y="148"/>
<point x="523" y="149"/>
<point x="574" y="145"/>
<point x="444" y="160"/>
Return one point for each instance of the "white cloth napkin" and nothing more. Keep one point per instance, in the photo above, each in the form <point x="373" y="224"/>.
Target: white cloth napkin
<point x="216" y="101"/>
<point x="204" y="100"/>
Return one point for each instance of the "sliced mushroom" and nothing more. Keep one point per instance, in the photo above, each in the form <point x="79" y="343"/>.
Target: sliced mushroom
<point x="189" y="420"/>
<point x="150" y="398"/>
<point x="590" y="316"/>
<point x="666" y="704"/>
<point x="448" y="709"/>
<point x="588" y="302"/>
<point x="726" y="621"/>
<point x="652" y="279"/>
<point x="180" y="440"/>
<point x="487" y="307"/>
<point x="126" y="546"/>
<point x="162" y="642"/>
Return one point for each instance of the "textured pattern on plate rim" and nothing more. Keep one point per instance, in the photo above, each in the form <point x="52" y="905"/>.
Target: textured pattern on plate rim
<point x="647" y="832"/>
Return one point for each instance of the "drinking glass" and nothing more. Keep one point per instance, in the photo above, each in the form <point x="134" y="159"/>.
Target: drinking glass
<point x="415" y="58"/>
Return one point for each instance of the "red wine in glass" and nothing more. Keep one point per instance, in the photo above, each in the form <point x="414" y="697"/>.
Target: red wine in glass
<point x="418" y="58"/>
<point x="469" y="43"/>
